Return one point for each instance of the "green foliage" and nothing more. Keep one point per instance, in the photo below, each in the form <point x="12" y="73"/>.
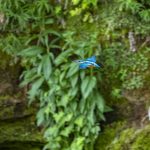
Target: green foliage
<point x="47" y="35"/>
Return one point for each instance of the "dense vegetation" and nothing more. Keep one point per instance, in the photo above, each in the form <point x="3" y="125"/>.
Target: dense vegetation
<point x="45" y="36"/>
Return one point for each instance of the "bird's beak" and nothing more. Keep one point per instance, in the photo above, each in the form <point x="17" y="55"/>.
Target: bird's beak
<point x="101" y="65"/>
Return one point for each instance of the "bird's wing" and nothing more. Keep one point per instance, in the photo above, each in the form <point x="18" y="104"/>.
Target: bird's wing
<point x="83" y="66"/>
<point x="92" y="59"/>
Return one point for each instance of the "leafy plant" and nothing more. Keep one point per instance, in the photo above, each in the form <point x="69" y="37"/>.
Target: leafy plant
<point x="47" y="35"/>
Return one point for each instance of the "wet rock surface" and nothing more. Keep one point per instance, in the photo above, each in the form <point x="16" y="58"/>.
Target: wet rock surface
<point x="18" y="130"/>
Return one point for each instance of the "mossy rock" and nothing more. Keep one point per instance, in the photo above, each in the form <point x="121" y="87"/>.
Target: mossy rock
<point x="142" y="139"/>
<point x="14" y="107"/>
<point x="23" y="130"/>
<point x="18" y="130"/>
<point x="20" y="134"/>
<point x="109" y="133"/>
<point x="120" y="137"/>
<point x="21" y="146"/>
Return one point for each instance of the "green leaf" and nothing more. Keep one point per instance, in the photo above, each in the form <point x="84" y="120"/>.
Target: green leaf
<point x="65" y="119"/>
<point x="75" y="2"/>
<point x="62" y="76"/>
<point x="79" y="121"/>
<point x="94" y="2"/>
<point x="29" y="76"/>
<point x="67" y="131"/>
<point x="74" y="68"/>
<point x="40" y="117"/>
<point x="47" y="68"/>
<point x="102" y="116"/>
<point x="90" y="115"/>
<point x="82" y="105"/>
<point x="82" y="75"/>
<point x="68" y="117"/>
<point x="100" y="102"/>
<point x="107" y="109"/>
<point x="49" y="21"/>
<point x="87" y="86"/>
<point x="31" y="51"/>
<point x="78" y="143"/>
<point x="34" y="88"/>
<point x="54" y="32"/>
<point x="58" y="116"/>
<point x="53" y="131"/>
<point x="73" y="92"/>
<point x="39" y="69"/>
<point x="62" y="57"/>
<point x="64" y="100"/>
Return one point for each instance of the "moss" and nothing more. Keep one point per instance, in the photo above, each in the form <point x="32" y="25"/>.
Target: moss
<point x="115" y="137"/>
<point x="4" y="97"/>
<point x="142" y="140"/>
<point x="21" y="146"/>
<point x="20" y="130"/>
<point x="107" y="136"/>
<point x="122" y="142"/>
<point x="4" y="60"/>
<point x="7" y="113"/>
<point x="20" y="134"/>
<point x="131" y="138"/>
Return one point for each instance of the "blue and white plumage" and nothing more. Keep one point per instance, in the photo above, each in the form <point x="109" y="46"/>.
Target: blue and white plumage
<point x="89" y="62"/>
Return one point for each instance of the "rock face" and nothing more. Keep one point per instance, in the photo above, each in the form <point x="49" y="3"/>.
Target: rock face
<point x="17" y="126"/>
<point x="119" y="136"/>
<point x="18" y="129"/>
<point x="131" y="131"/>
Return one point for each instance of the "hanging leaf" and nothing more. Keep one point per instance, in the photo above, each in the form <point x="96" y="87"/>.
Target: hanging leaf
<point x="73" y="69"/>
<point x="102" y="116"/>
<point x="35" y="86"/>
<point x="40" y="117"/>
<point x="73" y="91"/>
<point x="90" y="115"/>
<point x="100" y="102"/>
<point x="87" y="86"/>
<point x="107" y="109"/>
<point x="28" y="77"/>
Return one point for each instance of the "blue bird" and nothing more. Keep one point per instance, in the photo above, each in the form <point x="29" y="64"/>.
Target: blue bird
<point x="87" y="63"/>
